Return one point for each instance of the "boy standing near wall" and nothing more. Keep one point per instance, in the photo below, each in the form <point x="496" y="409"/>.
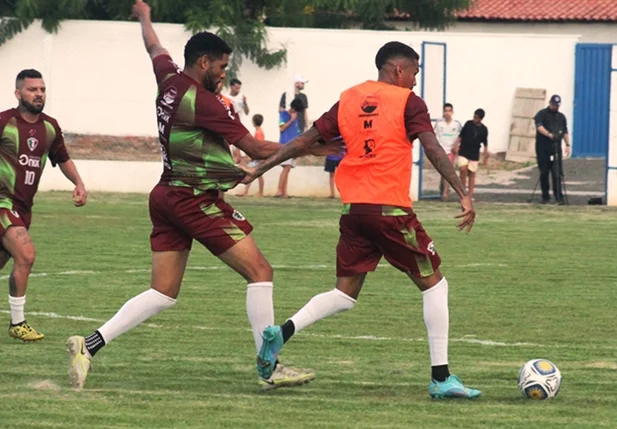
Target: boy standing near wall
<point x="258" y="120"/>
<point x="473" y="135"/>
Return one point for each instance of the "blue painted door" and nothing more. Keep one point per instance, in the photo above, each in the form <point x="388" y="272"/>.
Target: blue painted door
<point x="592" y="100"/>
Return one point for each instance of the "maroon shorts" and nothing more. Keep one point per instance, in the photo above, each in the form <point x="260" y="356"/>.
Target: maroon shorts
<point x="369" y="232"/>
<point x="179" y="216"/>
<point x="9" y="218"/>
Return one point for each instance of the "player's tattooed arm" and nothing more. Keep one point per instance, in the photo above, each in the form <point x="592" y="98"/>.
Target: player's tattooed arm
<point x="438" y="157"/>
<point x="141" y="11"/>
<point x="304" y="144"/>
<point x="257" y="149"/>
<point x="301" y="145"/>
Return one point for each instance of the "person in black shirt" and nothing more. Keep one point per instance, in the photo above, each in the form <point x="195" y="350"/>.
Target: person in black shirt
<point x="473" y="135"/>
<point x="551" y="128"/>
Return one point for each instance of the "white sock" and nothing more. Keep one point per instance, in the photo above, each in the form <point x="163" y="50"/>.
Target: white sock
<point x="436" y="319"/>
<point x="135" y="311"/>
<point x="260" y="309"/>
<point x="322" y="306"/>
<point x="17" y="305"/>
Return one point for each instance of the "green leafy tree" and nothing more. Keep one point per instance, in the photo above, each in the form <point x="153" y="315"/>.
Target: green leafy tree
<point x="242" y="23"/>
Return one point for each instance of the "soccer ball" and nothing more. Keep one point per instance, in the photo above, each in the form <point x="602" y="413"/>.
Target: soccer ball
<point x="539" y="379"/>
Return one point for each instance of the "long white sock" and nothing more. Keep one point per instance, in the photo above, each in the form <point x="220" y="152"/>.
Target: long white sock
<point x="259" y="308"/>
<point x="17" y="305"/>
<point x="437" y="319"/>
<point x="322" y="306"/>
<point x="135" y="311"/>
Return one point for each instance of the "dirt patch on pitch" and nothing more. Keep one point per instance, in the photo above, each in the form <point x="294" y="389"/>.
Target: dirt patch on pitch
<point x="45" y="385"/>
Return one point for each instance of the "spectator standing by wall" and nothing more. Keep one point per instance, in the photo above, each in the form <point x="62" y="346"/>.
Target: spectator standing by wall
<point x="258" y="121"/>
<point x="551" y="129"/>
<point x="473" y="135"/>
<point x="299" y="83"/>
<point x="290" y="129"/>
<point x="448" y="131"/>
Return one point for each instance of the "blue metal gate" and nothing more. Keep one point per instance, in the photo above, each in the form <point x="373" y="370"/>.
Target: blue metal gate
<point x="592" y="100"/>
<point x="434" y="94"/>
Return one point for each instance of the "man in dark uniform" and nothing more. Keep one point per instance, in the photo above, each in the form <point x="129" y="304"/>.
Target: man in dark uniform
<point x="551" y="129"/>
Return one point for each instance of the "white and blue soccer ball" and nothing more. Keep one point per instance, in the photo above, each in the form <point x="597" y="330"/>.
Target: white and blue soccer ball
<point x="539" y="379"/>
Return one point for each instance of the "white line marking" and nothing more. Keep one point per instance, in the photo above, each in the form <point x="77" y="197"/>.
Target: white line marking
<point x="80" y="318"/>
<point x="70" y="273"/>
<point x="465" y="339"/>
<point x="57" y="316"/>
<point x="224" y="267"/>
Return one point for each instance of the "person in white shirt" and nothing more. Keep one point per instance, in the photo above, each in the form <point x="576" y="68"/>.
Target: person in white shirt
<point x="447" y="131"/>
<point x="239" y="100"/>
<point x="241" y="108"/>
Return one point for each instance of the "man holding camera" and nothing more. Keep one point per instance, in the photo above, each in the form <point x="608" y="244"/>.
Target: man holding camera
<point x="551" y="129"/>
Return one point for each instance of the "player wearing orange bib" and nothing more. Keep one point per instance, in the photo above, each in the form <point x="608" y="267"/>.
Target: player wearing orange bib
<point x="378" y="120"/>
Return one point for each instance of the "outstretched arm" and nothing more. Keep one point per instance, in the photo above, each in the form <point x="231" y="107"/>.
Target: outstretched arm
<point x="80" y="195"/>
<point x="297" y="147"/>
<point x="257" y="149"/>
<point x="141" y="11"/>
<point x="435" y="153"/>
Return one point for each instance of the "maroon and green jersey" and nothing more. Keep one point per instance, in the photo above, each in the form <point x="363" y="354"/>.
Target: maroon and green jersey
<point x="195" y="130"/>
<point x="24" y="149"/>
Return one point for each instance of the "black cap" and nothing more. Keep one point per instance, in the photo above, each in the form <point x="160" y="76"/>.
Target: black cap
<point x="555" y="99"/>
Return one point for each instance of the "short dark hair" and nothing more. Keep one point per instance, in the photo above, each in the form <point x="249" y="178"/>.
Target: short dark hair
<point x="298" y="105"/>
<point x="448" y="105"/>
<point x="27" y="74"/>
<point x="258" y="120"/>
<point x="205" y="43"/>
<point x="480" y="113"/>
<point x="393" y="50"/>
<point x="235" y="81"/>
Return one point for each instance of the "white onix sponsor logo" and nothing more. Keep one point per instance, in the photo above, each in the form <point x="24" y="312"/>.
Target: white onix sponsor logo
<point x="30" y="161"/>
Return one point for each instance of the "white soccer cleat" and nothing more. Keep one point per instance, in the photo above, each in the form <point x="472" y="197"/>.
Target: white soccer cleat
<point x="286" y="377"/>
<point x="79" y="361"/>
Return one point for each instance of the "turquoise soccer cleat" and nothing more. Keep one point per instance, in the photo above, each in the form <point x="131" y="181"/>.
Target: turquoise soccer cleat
<point x="268" y="354"/>
<point x="451" y="388"/>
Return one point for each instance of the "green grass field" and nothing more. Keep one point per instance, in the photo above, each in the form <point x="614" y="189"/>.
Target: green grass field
<point x="528" y="282"/>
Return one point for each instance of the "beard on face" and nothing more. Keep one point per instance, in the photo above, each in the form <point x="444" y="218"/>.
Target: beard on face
<point x="31" y="107"/>
<point x="211" y="81"/>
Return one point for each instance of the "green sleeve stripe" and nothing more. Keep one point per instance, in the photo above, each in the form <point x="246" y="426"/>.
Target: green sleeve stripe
<point x="51" y="133"/>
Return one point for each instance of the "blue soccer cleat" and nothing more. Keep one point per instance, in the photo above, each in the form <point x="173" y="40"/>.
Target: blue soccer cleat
<point x="451" y="388"/>
<point x="268" y="354"/>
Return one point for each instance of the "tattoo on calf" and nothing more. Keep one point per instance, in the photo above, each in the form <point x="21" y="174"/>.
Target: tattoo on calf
<point x="12" y="286"/>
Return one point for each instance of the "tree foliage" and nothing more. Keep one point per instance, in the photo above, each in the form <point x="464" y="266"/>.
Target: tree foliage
<point x="242" y="23"/>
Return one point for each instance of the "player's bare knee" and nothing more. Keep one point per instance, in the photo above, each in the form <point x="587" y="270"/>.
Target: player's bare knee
<point x="25" y="259"/>
<point x="260" y="271"/>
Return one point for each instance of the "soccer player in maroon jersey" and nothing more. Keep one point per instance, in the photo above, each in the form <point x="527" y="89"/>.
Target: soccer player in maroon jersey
<point x="28" y="137"/>
<point x="195" y="130"/>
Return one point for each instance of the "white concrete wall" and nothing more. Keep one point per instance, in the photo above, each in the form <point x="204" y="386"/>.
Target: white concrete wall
<point x="140" y="177"/>
<point x="611" y="176"/>
<point x="100" y="81"/>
